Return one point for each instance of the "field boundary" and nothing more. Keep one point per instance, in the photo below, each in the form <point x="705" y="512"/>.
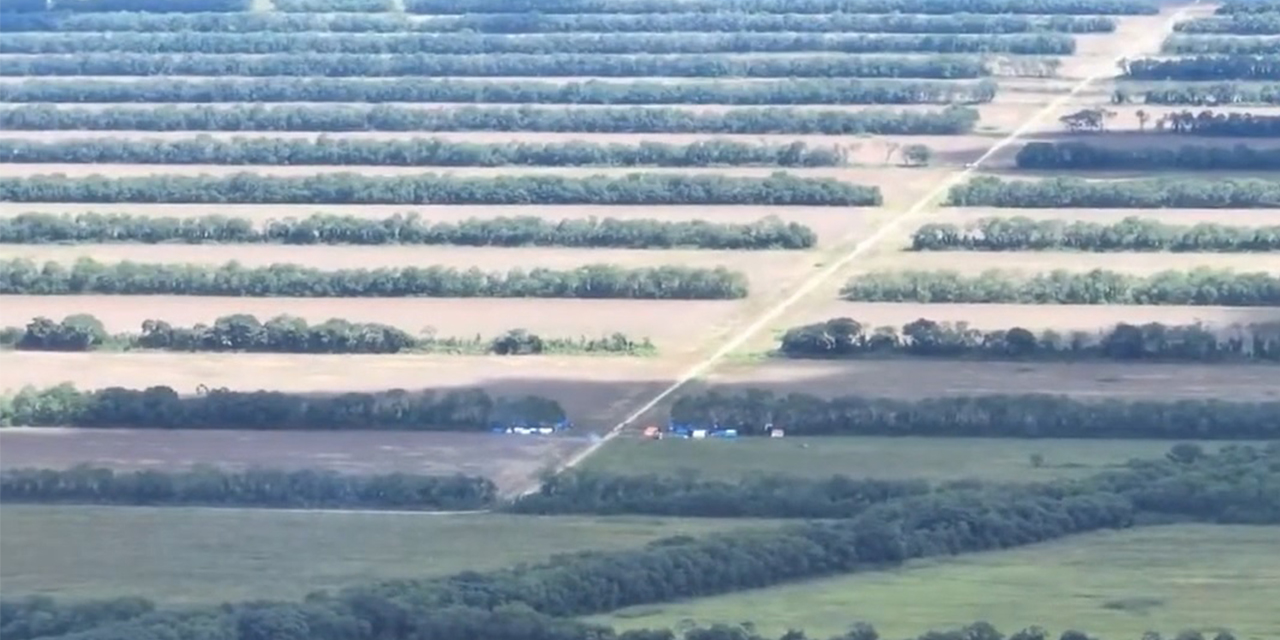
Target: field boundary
<point x="861" y="247"/>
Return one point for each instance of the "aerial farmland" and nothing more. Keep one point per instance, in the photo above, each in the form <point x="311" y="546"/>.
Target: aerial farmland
<point x="482" y="245"/>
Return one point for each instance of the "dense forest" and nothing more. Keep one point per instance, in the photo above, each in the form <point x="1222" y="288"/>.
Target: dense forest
<point x="1066" y="7"/>
<point x="1236" y="485"/>
<point x="289" y="334"/>
<point x="542" y="44"/>
<point x="275" y="488"/>
<point x="1232" y="67"/>
<point x="312" y="118"/>
<point x="1202" y="286"/>
<point x="409" y="228"/>
<point x="848" y="338"/>
<point x="753" y="411"/>
<point x="1085" y="156"/>
<point x="163" y="408"/>
<point x="1074" y="193"/>
<point x="520" y="91"/>
<point x="521" y="23"/>
<point x="1238" y="24"/>
<point x="429" y="188"/>
<point x="414" y="152"/>
<point x="19" y="276"/>
<point x="1130" y="234"/>
<point x="501" y="65"/>
<point x="1200" y="94"/>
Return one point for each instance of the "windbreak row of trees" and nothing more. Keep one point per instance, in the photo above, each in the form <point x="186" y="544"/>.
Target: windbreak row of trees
<point x="353" y="188"/>
<point x="288" y="334"/>
<point x="1200" y="286"/>
<point x="600" y="493"/>
<point x="19" y="276"/>
<point x="1266" y="23"/>
<point x="1232" y="7"/>
<point x="848" y="338"/>
<point x="468" y="43"/>
<point x="327" y="6"/>
<point x="150" y="6"/>
<point x="329" y="229"/>
<point x="1225" y="67"/>
<point x="1066" y="7"/>
<point x="413" y="152"/>
<point x="633" y="92"/>
<point x="1214" y="44"/>
<point x="515" y="23"/>
<point x="274" y="488"/>
<point x="1131" y="234"/>
<point x="1003" y="416"/>
<point x="501" y="65"/>
<point x="162" y="407"/>
<point x="1211" y="123"/>
<point x="1064" y="193"/>
<point x="1223" y="93"/>
<point x="1084" y="156"/>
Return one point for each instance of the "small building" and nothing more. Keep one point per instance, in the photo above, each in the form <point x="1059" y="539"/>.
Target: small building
<point x="777" y="432"/>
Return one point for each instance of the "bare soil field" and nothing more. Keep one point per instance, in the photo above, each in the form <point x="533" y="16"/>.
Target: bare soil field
<point x="832" y="224"/>
<point x="661" y="322"/>
<point x="507" y="460"/>
<point x="594" y="391"/>
<point x="928" y="378"/>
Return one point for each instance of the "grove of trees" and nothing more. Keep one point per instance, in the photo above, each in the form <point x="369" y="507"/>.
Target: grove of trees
<point x="1130" y="234"/>
<point x="848" y="338"/>
<point x="941" y="7"/>
<point x="1081" y="155"/>
<point x="525" y="91"/>
<point x="417" y="152"/>
<point x="289" y="334"/>
<point x="311" y="118"/>
<point x="1220" y="67"/>
<point x="1074" y="193"/>
<point x="752" y="411"/>
<point x="518" y="23"/>
<point x="163" y="408"/>
<point x="1201" y="93"/>
<point x="409" y="228"/>
<point x="1201" y="286"/>
<point x="429" y="188"/>
<point x="499" y="65"/>
<point x="275" y="488"/>
<point x="674" y="282"/>
<point x="542" y="44"/>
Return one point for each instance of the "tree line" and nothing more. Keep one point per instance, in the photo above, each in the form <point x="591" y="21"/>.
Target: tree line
<point x="429" y="188"/>
<point x="1200" y="93"/>
<point x="600" y="281"/>
<point x="275" y="488"/>
<point x="1211" y="123"/>
<point x="329" y="229"/>
<point x="936" y="7"/>
<point x="335" y="118"/>
<point x="1085" y="156"/>
<point x="515" y="23"/>
<point x="1130" y="234"/>
<point x="1231" y="7"/>
<point x="149" y="6"/>
<point x="1201" y="45"/>
<point x="162" y="407"/>
<point x="848" y="338"/>
<point x="290" y="334"/>
<point x="501" y="65"/>
<point x="328" y="6"/>
<point x="1237" y="485"/>
<point x="633" y="92"/>
<point x="753" y="411"/>
<point x="1221" y="67"/>
<point x="593" y="492"/>
<point x="478" y="44"/>
<point x="1199" y="287"/>
<point x="1162" y="193"/>
<point x="414" y="152"/>
<point x="1266" y="23"/>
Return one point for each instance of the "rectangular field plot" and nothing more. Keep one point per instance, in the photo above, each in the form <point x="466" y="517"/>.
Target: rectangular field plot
<point x="1116" y="584"/>
<point x="187" y="556"/>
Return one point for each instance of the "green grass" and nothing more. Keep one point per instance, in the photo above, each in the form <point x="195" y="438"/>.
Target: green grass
<point x="1114" y="584"/>
<point x="937" y="459"/>
<point x="181" y="555"/>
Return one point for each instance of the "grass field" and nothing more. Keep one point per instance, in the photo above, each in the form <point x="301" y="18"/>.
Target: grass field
<point x="1115" y="585"/>
<point x="935" y="459"/>
<point x="183" y="556"/>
